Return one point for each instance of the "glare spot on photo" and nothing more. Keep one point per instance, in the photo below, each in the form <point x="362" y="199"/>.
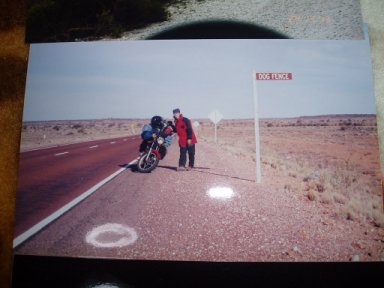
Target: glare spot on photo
<point x="111" y="235"/>
<point x="219" y="192"/>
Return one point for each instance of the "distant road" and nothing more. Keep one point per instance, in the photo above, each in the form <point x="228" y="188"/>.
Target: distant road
<point x="50" y="178"/>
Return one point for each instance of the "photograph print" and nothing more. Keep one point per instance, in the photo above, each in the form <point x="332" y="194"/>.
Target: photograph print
<point x="147" y="150"/>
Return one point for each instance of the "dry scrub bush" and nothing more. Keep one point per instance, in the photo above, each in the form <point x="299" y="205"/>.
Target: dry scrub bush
<point x="339" y="198"/>
<point x="350" y="214"/>
<point x="326" y="198"/>
<point x="319" y="184"/>
<point x="349" y="211"/>
<point x="378" y="218"/>
<point x="77" y="126"/>
<point x="329" y="180"/>
<point x="288" y="187"/>
<point x="243" y="145"/>
<point x="312" y="195"/>
<point x="340" y="186"/>
<point x="358" y="209"/>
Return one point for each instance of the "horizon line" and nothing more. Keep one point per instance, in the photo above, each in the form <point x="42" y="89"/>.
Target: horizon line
<point x="207" y="118"/>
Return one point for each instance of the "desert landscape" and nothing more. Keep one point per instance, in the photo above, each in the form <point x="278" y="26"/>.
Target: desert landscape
<point x="37" y="135"/>
<point x="332" y="159"/>
<point x="320" y="196"/>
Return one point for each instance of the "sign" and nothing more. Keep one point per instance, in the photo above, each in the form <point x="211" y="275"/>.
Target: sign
<point x="215" y="116"/>
<point x="263" y="76"/>
<point x="274" y="76"/>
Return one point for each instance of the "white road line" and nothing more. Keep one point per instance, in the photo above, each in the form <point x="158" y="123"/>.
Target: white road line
<point x="125" y="140"/>
<point x="43" y="148"/>
<point x="58" y="154"/>
<point x="93" y="146"/>
<point x="112" y="142"/>
<point x="36" y="228"/>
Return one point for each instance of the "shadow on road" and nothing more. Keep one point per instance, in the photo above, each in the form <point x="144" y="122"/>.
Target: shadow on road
<point x="222" y="175"/>
<point x="167" y="167"/>
<point x="133" y="167"/>
<point x="204" y="170"/>
<point x="174" y="168"/>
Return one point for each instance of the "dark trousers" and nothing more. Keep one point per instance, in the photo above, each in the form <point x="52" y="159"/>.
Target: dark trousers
<point x="191" y="155"/>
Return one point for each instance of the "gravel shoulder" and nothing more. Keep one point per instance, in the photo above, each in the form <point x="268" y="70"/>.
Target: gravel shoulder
<point x="297" y="19"/>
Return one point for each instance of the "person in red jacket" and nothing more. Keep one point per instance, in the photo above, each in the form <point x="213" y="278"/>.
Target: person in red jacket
<point x="187" y="140"/>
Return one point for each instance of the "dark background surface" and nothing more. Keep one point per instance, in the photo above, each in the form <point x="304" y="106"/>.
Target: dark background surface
<point x="84" y="20"/>
<point x="33" y="271"/>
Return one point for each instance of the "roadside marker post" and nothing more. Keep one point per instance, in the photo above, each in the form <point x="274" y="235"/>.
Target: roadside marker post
<point x="215" y="117"/>
<point x="196" y="124"/>
<point x="257" y="76"/>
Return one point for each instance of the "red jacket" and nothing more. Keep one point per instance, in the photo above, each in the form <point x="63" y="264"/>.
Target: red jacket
<point x="184" y="131"/>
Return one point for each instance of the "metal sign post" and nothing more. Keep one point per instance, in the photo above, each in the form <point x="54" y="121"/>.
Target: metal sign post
<point x="255" y="77"/>
<point x="257" y="129"/>
<point x="215" y="117"/>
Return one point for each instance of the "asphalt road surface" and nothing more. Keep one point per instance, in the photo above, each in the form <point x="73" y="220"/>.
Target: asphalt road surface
<point x="50" y="178"/>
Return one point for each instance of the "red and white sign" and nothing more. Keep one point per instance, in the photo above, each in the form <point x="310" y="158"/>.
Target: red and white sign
<point x="274" y="76"/>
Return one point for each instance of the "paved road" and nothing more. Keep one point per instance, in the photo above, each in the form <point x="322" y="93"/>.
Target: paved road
<point x="50" y="178"/>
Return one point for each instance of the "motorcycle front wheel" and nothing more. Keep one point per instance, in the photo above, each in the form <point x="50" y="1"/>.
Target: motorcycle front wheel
<point x="147" y="165"/>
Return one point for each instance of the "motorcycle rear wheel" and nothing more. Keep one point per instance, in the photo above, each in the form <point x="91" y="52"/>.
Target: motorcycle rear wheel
<point x="146" y="166"/>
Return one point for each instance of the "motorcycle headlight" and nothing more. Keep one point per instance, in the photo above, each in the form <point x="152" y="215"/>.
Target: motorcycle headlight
<point x="160" y="140"/>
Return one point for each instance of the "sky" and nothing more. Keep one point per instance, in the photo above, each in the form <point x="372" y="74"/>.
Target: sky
<point x="139" y="79"/>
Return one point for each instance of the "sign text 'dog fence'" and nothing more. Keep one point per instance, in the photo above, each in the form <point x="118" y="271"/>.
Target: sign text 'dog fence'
<point x="274" y="76"/>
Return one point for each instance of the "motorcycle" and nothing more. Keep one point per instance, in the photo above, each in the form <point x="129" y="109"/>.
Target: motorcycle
<point x="156" y="149"/>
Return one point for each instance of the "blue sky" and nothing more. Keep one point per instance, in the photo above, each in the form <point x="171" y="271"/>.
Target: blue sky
<point x="138" y="79"/>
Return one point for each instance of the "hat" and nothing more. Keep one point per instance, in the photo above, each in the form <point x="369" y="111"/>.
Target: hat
<point x="177" y="110"/>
